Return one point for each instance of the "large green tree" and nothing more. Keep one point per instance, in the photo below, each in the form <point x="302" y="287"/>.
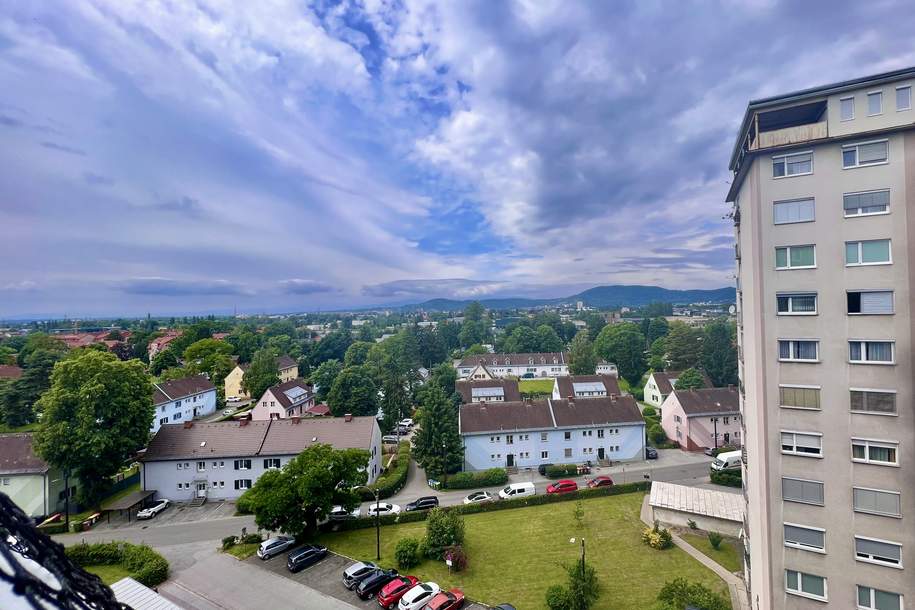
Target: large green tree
<point x="18" y="402"/>
<point x="331" y="347"/>
<point x="437" y="443"/>
<point x="39" y="341"/>
<point x="472" y="331"/>
<point x="547" y="339"/>
<point x="357" y="353"/>
<point x="657" y="354"/>
<point x="212" y="358"/>
<point x="582" y="360"/>
<point x="323" y="378"/>
<point x="474" y="312"/>
<point x="684" y="346"/>
<point x="97" y="414"/>
<point x="165" y="359"/>
<point x="657" y="328"/>
<point x="719" y="353"/>
<point x="353" y="391"/>
<point x="690" y="379"/>
<point x="624" y="345"/>
<point x="261" y="374"/>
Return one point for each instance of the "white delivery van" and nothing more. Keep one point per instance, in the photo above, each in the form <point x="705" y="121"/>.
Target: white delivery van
<point x="517" y="490"/>
<point x="727" y="461"/>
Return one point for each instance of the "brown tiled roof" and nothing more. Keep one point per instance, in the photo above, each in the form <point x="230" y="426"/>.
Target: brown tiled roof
<point x="596" y="411"/>
<point x="9" y="371"/>
<point x="509" y="388"/>
<point x="319" y="410"/>
<point x="279" y="390"/>
<point x="179" y="388"/>
<point x="285" y="362"/>
<point x="293" y="435"/>
<point x="515" y="359"/>
<point x="494" y="417"/>
<point x="566" y="388"/>
<point x="708" y="400"/>
<point x="662" y="379"/>
<point x="17" y="456"/>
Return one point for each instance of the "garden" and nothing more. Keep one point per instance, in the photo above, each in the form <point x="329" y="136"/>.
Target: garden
<point x="112" y="561"/>
<point x="535" y="387"/>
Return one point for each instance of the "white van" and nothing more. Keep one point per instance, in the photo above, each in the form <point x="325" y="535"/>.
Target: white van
<point x="727" y="461"/>
<point x="517" y="490"/>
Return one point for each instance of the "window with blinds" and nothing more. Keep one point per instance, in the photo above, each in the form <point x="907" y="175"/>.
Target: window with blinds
<point x="796" y="304"/>
<point x="878" y="551"/>
<point x="799" y="397"/>
<point x="866" y="203"/>
<point x="806" y="444"/>
<point x="877" y="502"/>
<point x="866" y="153"/>
<point x="802" y="491"/>
<point x="873" y="401"/>
<point x="806" y="538"/>
<point x="795" y="210"/>
<point x="870" y="302"/>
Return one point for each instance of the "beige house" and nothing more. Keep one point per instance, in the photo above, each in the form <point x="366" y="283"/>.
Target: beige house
<point x="287" y="369"/>
<point x="28" y="480"/>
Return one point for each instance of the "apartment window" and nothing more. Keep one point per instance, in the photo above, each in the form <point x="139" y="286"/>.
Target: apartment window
<point x="176" y="416"/>
<point x="871" y="352"/>
<point x="179" y="465"/>
<point x="882" y="402"/>
<point x="586" y="432"/>
<point x="600" y="434"/>
<point x="807" y="444"/>
<point x="163" y="421"/>
<point x="877" y="502"/>
<point x="544" y="455"/>
<point x="883" y="552"/>
<point x="509" y="439"/>
<point x="884" y="453"/>
<point x="870" y="252"/>
<point x="805" y="585"/>
<point x="201" y="466"/>
<point x="222" y="484"/>
<point x="567" y="435"/>
<point x="866" y="203"/>
<point x="271" y="463"/>
<point x="543" y="436"/>
<point x="242" y="465"/>
<point x="794" y="350"/>
<point x="568" y="452"/>
<point x="864" y="154"/>
<point x="795" y="257"/>
<point x="903" y="98"/>
<point x="802" y="491"/>
<point x="215" y="484"/>
<point x="874" y="103"/>
<point x="796" y="164"/>
<point x="805" y="537"/>
<point x="799" y="397"/>
<point x="800" y="304"/>
<point x="870" y="598"/>
<point x="847" y="108"/>
<point x="870" y="302"/>
<point x="796" y="210"/>
<point x="242" y="483"/>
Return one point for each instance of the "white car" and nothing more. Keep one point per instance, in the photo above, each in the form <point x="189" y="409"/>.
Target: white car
<point x="406" y="422"/>
<point x="418" y="596"/>
<point x="151" y="511"/>
<point x="232" y="399"/>
<point x="228" y="411"/>
<point x="382" y="509"/>
<point x="478" y="497"/>
<point x="338" y="513"/>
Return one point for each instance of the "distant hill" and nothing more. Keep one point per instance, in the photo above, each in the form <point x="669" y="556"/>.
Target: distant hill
<point x="599" y="296"/>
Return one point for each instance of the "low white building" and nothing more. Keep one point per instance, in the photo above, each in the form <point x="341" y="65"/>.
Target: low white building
<point x="710" y="509"/>
<point x="491" y="366"/>
<point x="181" y="400"/>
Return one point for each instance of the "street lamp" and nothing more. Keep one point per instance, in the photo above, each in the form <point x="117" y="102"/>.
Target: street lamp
<point x="444" y="468"/>
<point x="377" y="529"/>
<point x="715" y="423"/>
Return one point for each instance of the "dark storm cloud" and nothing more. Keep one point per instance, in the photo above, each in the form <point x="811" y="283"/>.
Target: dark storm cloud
<point x="181" y="288"/>
<point x="299" y="286"/>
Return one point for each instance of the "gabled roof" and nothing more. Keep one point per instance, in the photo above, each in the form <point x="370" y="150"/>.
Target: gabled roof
<point x="509" y="388"/>
<point x="708" y="401"/>
<point x="177" y="389"/>
<point x="282" y="363"/>
<point x="291" y="393"/>
<point x="663" y="380"/>
<point x="567" y="383"/>
<point x="294" y="435"/>
<point x="515" y="359"/>
<point x="9" y="371"/>
<point x="495" y="417"/>
<point x="596" y="411"/>
<point x="17" y="455"/>
<point x="319" y="410"/>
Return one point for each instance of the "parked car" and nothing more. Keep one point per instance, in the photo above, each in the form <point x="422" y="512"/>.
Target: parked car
<point x="504" y="607"/>
<point x="391" y="593"/>
<point x="600" y="481"/>
<point x="729" y="460"/>
<point x="228" y="411"/>
<point x="402" y="430"/>
<point x="354" y="574"/>
<point x="151" y="511"/>
<point x="338" y="513"/>
<point x="424" y="503"/>
<point x="232" y="398"/>
<point x="478" y="497"/>
<point x="416" y="598"/>
<point x="446" y="600"/>
<point x="528" y="376"/>
<point x="651" y="453"/>
<point x="542" y="469"/>
<point x="563" y="486"/>
<point x="389" y="439"/>
<point x="382" y="509"/>
<point x="406" y="422"/>
<point x="517" y="490"/>
<point x="308" y="555"/>
<point x="709" y="452"/>
<point x="371" y="584"/>
<point x="274" y="546"/>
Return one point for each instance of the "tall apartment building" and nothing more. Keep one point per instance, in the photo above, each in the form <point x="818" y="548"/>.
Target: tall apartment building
<point x="825" y="247"/>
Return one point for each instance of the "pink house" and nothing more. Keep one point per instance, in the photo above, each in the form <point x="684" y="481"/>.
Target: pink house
<point x="288" y="399"/>
<point x="692" y="418"/>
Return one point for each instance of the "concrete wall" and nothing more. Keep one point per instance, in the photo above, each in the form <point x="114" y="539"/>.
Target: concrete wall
<point x="667" y="516"/>
<point x="539" y="370"/>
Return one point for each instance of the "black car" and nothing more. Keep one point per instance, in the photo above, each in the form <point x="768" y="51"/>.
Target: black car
<point x="651" y="453"/>
<point x="424" y="503"/>
<point x="542" y="469"/>
<point x="504" y="607"/>
<point x="309" y="554"/>
<point x="372" y="584"/>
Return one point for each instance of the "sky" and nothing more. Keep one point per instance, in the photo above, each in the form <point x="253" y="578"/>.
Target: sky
<point x="183" y="157"/>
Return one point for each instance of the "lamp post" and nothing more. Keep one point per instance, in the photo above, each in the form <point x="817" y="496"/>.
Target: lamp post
<point x="715" y="422"/>
<point x="67" y="498"/>
<point x="377" y="529"/>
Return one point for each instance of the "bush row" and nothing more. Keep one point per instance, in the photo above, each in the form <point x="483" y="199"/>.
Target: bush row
<point x="393" y="479"/>
<point x="484" y="478"/>
<point x="144" y="564"/>
<point x="50" y="529"/>
<point x="730" y="478"/>
<point x="558" y="471"/>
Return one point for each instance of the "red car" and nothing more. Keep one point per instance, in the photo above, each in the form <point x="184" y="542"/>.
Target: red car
<point x="391" y="593"/>
<point x="562" y="487"/>
<point x="446" y="600"/>
<point x="600" y="481"/>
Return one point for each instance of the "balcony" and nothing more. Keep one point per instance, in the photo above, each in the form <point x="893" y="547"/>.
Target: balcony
<point x="786" y="126"/>
<point x="790" y="135"/>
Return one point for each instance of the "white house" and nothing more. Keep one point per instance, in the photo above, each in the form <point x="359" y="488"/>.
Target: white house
<point x="607" y="368"/>
<point x="489" y="366"/>
<point x="661" y="383"/>
<point x="181" y="400"/>
<point x="289" y="399"/>
<point x="585" y="386"/>
<point x="28" y="480"/>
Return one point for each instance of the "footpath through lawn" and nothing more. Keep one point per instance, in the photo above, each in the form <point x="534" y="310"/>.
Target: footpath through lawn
<point x="515" y="555"/>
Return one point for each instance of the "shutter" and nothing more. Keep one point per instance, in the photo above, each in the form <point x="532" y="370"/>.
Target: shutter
<point x="804" y="536"/>
<point x="812" y="491"/>
<point x="877" y="302"/>
<point x="792" y="489"/>
<point x="872" y="153"/>
<point x="878" y="549"/>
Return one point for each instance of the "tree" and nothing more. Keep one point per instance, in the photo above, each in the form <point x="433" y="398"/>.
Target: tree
<point x="395" y="403"/>
<point x="210" y="357"/>
<point x="690" y="379"/>
<point x="657" y="354"/>
<point x="357" y="353"/>
<point x="164" y="359"/>
<point x="114" y="335"/>
<point x="294" y="499"/>
<point x="323" y="378"/>
<point x="205" y="348"/>
<point x="331" y="347"/>
<point x="657" y="309"/>
<point x="261" y="373"/>
<point x="595" y="322"/>
<point x="449" y="332"/>
<point x="97" y="414"/>
<point x="244" y="343"/>
<point x="624" y="345"/>
<point x="657" y="328"/>
<point x="684" y="346"/>
<point x="354" y="392"/>
<point x="522" y="339"/>
<point x="122" y="350"/>
<point x="444" y="376"/>
<point x="474" y="312"/>
<point x="475" y="350"/>
<point x="582" y="360"/>
<point x="19" y="400"/>
<point x="444" y="528"/>
<point x="472" y="331"/>
<point x="719" y="353"/>
<point x="437" y="444"/>
<point x="581" y="591"/>
<point x="39" y="341"/>
<point x="547" y="339"/>
<point x="430" y="347"/>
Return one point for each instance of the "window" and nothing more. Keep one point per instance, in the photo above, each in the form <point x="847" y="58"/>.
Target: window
<point x="795" y="257"/>
<point x="870" y="252"/>
<point x="804" y="537"/>
<point x="874" y="103"/>
<point x="802" y="491"/>
<point x="882" y="402"/>
<point x="792" y="350"/>
<point x="568" y="452"/>
<point x="797" y="210"/>
<point x="877" y="502"/>
<point x="847" y="108"/>
<point x="215" y="484"/>
<point x="799" y="397"/>
<point x="543" y="436"/>
<point x="875" y="599"/>
<point x="586" y="432"/>
<point x="903" y="98"/>
<point x="874" y="452"/>
<point x="163" y="421"/>
<point x="871" y="352"/>
<point x="883" y="552"/>
<point x="179" y="485"/>
<point x="201" y="466"/>
<point x="509" y="439"/>
<point x="271" y="463"/>
<point x="6" y="481"/>
<point x="805" y="585"/>
<point x="727" y="420"/>
<point x="242" y="465"/>
<point x="807" y="444"/>
<point x="796" y="164"/>
<point x="802" y="304"/>
<point x="222" y="484"/>
<point x="176" y="416"/>
<point x="567" y="435"/>
<point x="868" y="153"/>
<point x="242" y="483"/>
<point x="180" y="466"/>
<point x="866" y="203"/>
<point x="870" y="302"/>
<point x="544" y="455"/>
<point x="600" y="434"/>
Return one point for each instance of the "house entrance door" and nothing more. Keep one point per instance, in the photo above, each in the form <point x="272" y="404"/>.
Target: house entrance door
<point x="510" y="460"/>
<point x="202" y="489"/>
<point x="600" y="453"/>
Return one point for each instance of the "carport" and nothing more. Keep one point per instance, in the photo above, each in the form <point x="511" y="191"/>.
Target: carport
<point x="127" y="503"/>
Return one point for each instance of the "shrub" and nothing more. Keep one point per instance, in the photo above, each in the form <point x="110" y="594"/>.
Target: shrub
<point x="692" y="524"/>
<point x="393" y="479"/>
<point x="649" y="412"/>
<point x="656" y="433"/>
<point x="407" y="553"/>
<point x="558" y="471"/>
<point x="252" y="539"/>
<point x="245" y="503"/>
<point x="724" y="449"/>
<point x="657" y="537"/>
<point x="472" y="480"/>
<point x="457" y="556"/>
<point x="714" y="538"/>
<point x="730" y="478"/>
<point x="50" y="529"/>
<point x="144" y="564"/>
<point x="228" y="542"/>
<point x="443" y="529"/>
<point x="557" y="598"/>
<point x="679" y="593"/>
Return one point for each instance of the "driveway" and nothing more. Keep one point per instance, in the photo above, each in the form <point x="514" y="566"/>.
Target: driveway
<point x="176" y="513"/>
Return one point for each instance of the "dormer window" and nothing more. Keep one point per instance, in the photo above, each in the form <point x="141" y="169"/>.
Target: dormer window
<point x="508" y="361"/>
<point x="555" y="360"/>
<point x="530" y="361"/>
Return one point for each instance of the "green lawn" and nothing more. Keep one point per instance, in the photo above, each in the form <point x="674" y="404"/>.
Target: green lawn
<point x="26" y="428"/>
<point x="108" y="573"/>
<point x="535" y="386"/>
<point x="515" y="555"/>
<point x="728" y="554"/>
<point x="243" y="551"/>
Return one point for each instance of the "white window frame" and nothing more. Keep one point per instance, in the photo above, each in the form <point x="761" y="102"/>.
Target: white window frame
<point x="858" y="156"/>
<point x="796" y="386"/>
<point x="793" y="351"/>
<point x="878" y="92"/>
<point x="812" y="549"/>
<point x="788" y="257"/>
<point x="785" y="158"/>
<point x="789" y="296"/>
<point x="898" y="89"/>
<point x="870" y="512"/>
<point x="888" y="564"/>
<point x="873" y="601"/>
<point x="873" y="391"/>
<point x="863" y="347"/>
<point x="860" y="262"/>
<point x="868" y="442"/>
<point x="864" y="214"/>
<point x="821" y="483"/>
<point x="544" y="455"/>
<point x="845" y="99"/>
<point x="795" y="452"/>
<point x="800" y="581"/>
<point x="862" y="313"/>
<point x="797" y="200"/>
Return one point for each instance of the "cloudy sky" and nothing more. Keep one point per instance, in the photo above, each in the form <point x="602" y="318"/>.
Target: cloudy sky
<point x="275" y="155"/>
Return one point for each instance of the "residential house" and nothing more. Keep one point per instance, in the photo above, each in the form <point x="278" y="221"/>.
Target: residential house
<point x="288" y="399"/>
<point x="528" y="433"/>
<point x="489" y="366"/>
<point x="10" y="371"/>
<point x="488" y="390"/>
<point x="181" y="400"/>
<point x="693" y="418"/>
<point x="661" y="383"/>
<point x="286" y="369"/>
<point x="28" y="480"/>
<point x="607" y="368"/>
<point x="161" y="343"/>
<point x="585" y="386"/>
<point x="221" y="460"/>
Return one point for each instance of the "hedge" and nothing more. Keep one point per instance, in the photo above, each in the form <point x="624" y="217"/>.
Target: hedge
<point x="730" y="478"/>
<point x="50" y="529"/>
<point x="558" y="471"/>
<point x="144" y="564"/>
<point x="484" y="478"/>
<point x="391" y="481"/>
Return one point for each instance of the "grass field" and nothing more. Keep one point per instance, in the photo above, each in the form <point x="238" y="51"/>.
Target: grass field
<point x="535" y="386"/>
<point x="727" y="555"/>
<point x="26" y="428"/>
<point x="515" y="555"/>
<point x="108" y="573"/>
<point x="243" y="551"/>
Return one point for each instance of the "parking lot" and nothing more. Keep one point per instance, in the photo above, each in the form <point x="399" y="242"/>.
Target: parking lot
<point x="176" y="513"/>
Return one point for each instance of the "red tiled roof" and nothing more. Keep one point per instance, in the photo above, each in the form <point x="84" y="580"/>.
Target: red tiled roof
<point x="167" y="391"/>
<point x="708" y="401"/>
<point x="566" y="387"/>
<point x="17" y="455"/>
<point x="597" y="410"/>
<point x="319" y="410"/>
<point x="662" y="380"/>
<point x="481" y="417"/>
<point x="9" y="371"/>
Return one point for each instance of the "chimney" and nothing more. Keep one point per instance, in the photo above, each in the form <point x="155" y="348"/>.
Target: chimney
<point x="613" y="397"/>
<point x="188" y="424"/>
<point x="348" y="417"/>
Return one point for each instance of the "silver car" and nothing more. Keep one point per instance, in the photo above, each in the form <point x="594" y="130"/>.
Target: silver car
<point x="354" y="574"/>
<point x="274" y="546"/>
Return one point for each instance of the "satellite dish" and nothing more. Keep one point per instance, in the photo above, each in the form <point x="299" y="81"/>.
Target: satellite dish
<point x="732" y="309"/>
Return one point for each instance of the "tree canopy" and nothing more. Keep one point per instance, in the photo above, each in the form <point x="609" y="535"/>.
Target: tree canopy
<point x="323" y="378"/>
<point x="261" y="374"/>
<point x="624" y="345"/>
<point x="684" y="346"/>
<point x="353" y="391"/>
<point x="690" y="379"/>
<point x="437" y="444"/>
<point x="719" y="352"/>
<point x="582" y="359"/>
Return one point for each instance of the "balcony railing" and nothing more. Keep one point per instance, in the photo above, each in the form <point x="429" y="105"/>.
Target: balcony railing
<point x="790" y="135"/>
